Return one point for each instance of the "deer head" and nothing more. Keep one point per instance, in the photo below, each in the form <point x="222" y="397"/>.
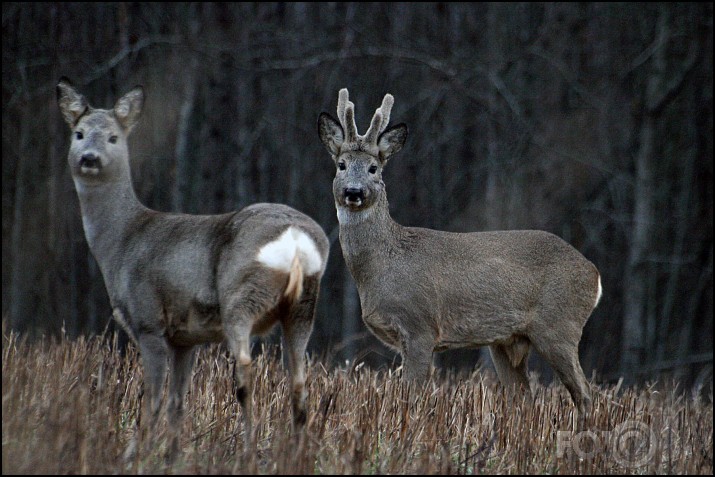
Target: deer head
<point x="360" y="158"/>
<point x="98" y="152"/>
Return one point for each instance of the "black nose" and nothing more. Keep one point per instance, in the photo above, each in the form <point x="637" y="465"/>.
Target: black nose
<point x="353" y="194"/>
<point x="89" y="160"/>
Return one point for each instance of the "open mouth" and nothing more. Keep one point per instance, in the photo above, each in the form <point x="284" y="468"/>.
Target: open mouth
<point x="354" y="197"/>
<point x="353" y="202"/>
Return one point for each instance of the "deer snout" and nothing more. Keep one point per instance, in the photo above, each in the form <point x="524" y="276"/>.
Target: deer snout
<point x="90" y="163"/>
<point x="89" y="160"/>
<point x="354" y="195"/>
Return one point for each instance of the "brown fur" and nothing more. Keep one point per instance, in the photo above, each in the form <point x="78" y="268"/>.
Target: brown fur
<point x="423" y="290"/>
<point x="178" y="280"/>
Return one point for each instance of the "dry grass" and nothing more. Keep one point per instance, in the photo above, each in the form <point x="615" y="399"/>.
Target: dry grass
<point x="71" y="407"/>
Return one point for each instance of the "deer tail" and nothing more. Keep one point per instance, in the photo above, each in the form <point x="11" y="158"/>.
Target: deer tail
<point x="294" y="289"/>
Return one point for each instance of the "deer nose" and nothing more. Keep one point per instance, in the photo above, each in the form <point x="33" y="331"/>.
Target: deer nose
<point x="354" y="194"/>
<point x="89" y="160"/>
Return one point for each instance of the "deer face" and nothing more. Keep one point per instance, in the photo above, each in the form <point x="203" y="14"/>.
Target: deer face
<point x="358" y="180"/>
<point x="359" y="159"/>
<point x="98" y="152"/>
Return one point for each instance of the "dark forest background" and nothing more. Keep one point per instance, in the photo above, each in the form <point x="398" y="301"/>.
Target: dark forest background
<point x="592" y="121"/>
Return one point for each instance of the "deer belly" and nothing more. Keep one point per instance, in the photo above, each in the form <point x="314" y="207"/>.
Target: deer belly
<point x="478" y="327"/>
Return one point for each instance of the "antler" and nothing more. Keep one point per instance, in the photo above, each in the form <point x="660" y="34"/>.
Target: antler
<point x="380" y="120"/>
<point x="346" y="116"/>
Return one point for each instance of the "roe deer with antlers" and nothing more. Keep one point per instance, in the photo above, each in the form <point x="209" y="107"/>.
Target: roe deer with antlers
<point x="177" y="280"/>
<point x="425" y="290"/>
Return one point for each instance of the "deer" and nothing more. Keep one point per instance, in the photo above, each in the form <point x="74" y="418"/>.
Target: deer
<point x="424" y="290"/>
<point x="177" y="280"/>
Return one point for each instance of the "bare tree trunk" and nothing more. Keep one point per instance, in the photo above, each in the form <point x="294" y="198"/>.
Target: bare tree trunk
<point x="180" y="196"/>
<point x="19" y="309"/>
<point x="122" y="19"/>
<point x="181" y="189"/>
<point x="638" y="269"/>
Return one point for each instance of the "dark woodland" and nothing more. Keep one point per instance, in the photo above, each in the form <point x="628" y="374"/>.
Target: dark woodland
<point x="593" y="121"/>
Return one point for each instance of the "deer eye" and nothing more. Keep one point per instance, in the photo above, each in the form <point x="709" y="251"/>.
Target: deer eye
<point x="341" y="166"/>
<point x="113" y="139"/>
<point x="79" y="135"/>
<point x="372" y="169"/>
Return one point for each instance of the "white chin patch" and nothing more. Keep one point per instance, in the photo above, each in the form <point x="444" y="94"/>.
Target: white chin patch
<point x="347" y="215"/>
<point x="279" y="253"/>
<point x="90" y="171"/>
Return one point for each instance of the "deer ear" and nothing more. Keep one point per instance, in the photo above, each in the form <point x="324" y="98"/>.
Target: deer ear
<point x="129" y="107"/>
<point x="392" y="140"/>
<point x="331" y="133"/>
<point x="72" y="104"/>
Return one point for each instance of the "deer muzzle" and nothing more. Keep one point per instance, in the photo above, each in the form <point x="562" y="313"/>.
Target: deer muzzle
<point x="354" y="196"/>
<point x="90" y="164"/>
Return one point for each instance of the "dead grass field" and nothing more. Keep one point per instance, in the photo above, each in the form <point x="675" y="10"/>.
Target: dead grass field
<point x="71" y="407"/>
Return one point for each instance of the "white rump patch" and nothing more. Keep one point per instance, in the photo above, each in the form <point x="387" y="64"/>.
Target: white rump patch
<point x="600" y="292"/>
<point x="279" y="253"/>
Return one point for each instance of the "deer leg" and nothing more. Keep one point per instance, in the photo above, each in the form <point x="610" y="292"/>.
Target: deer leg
<point x="181" y="360"/>
<point x="154" y="351"/>
<point x="295" y="340"/>
<point x="238" y="336"/>
<point x="296" y="332"/>
<point x="563" y="358"/>
<point x="416" y="356"/>
<point x="511" y="366"/>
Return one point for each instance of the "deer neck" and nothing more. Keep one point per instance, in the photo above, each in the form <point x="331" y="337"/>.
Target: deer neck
<point x="365" y="235"/>
<point x="108" y="210"/>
